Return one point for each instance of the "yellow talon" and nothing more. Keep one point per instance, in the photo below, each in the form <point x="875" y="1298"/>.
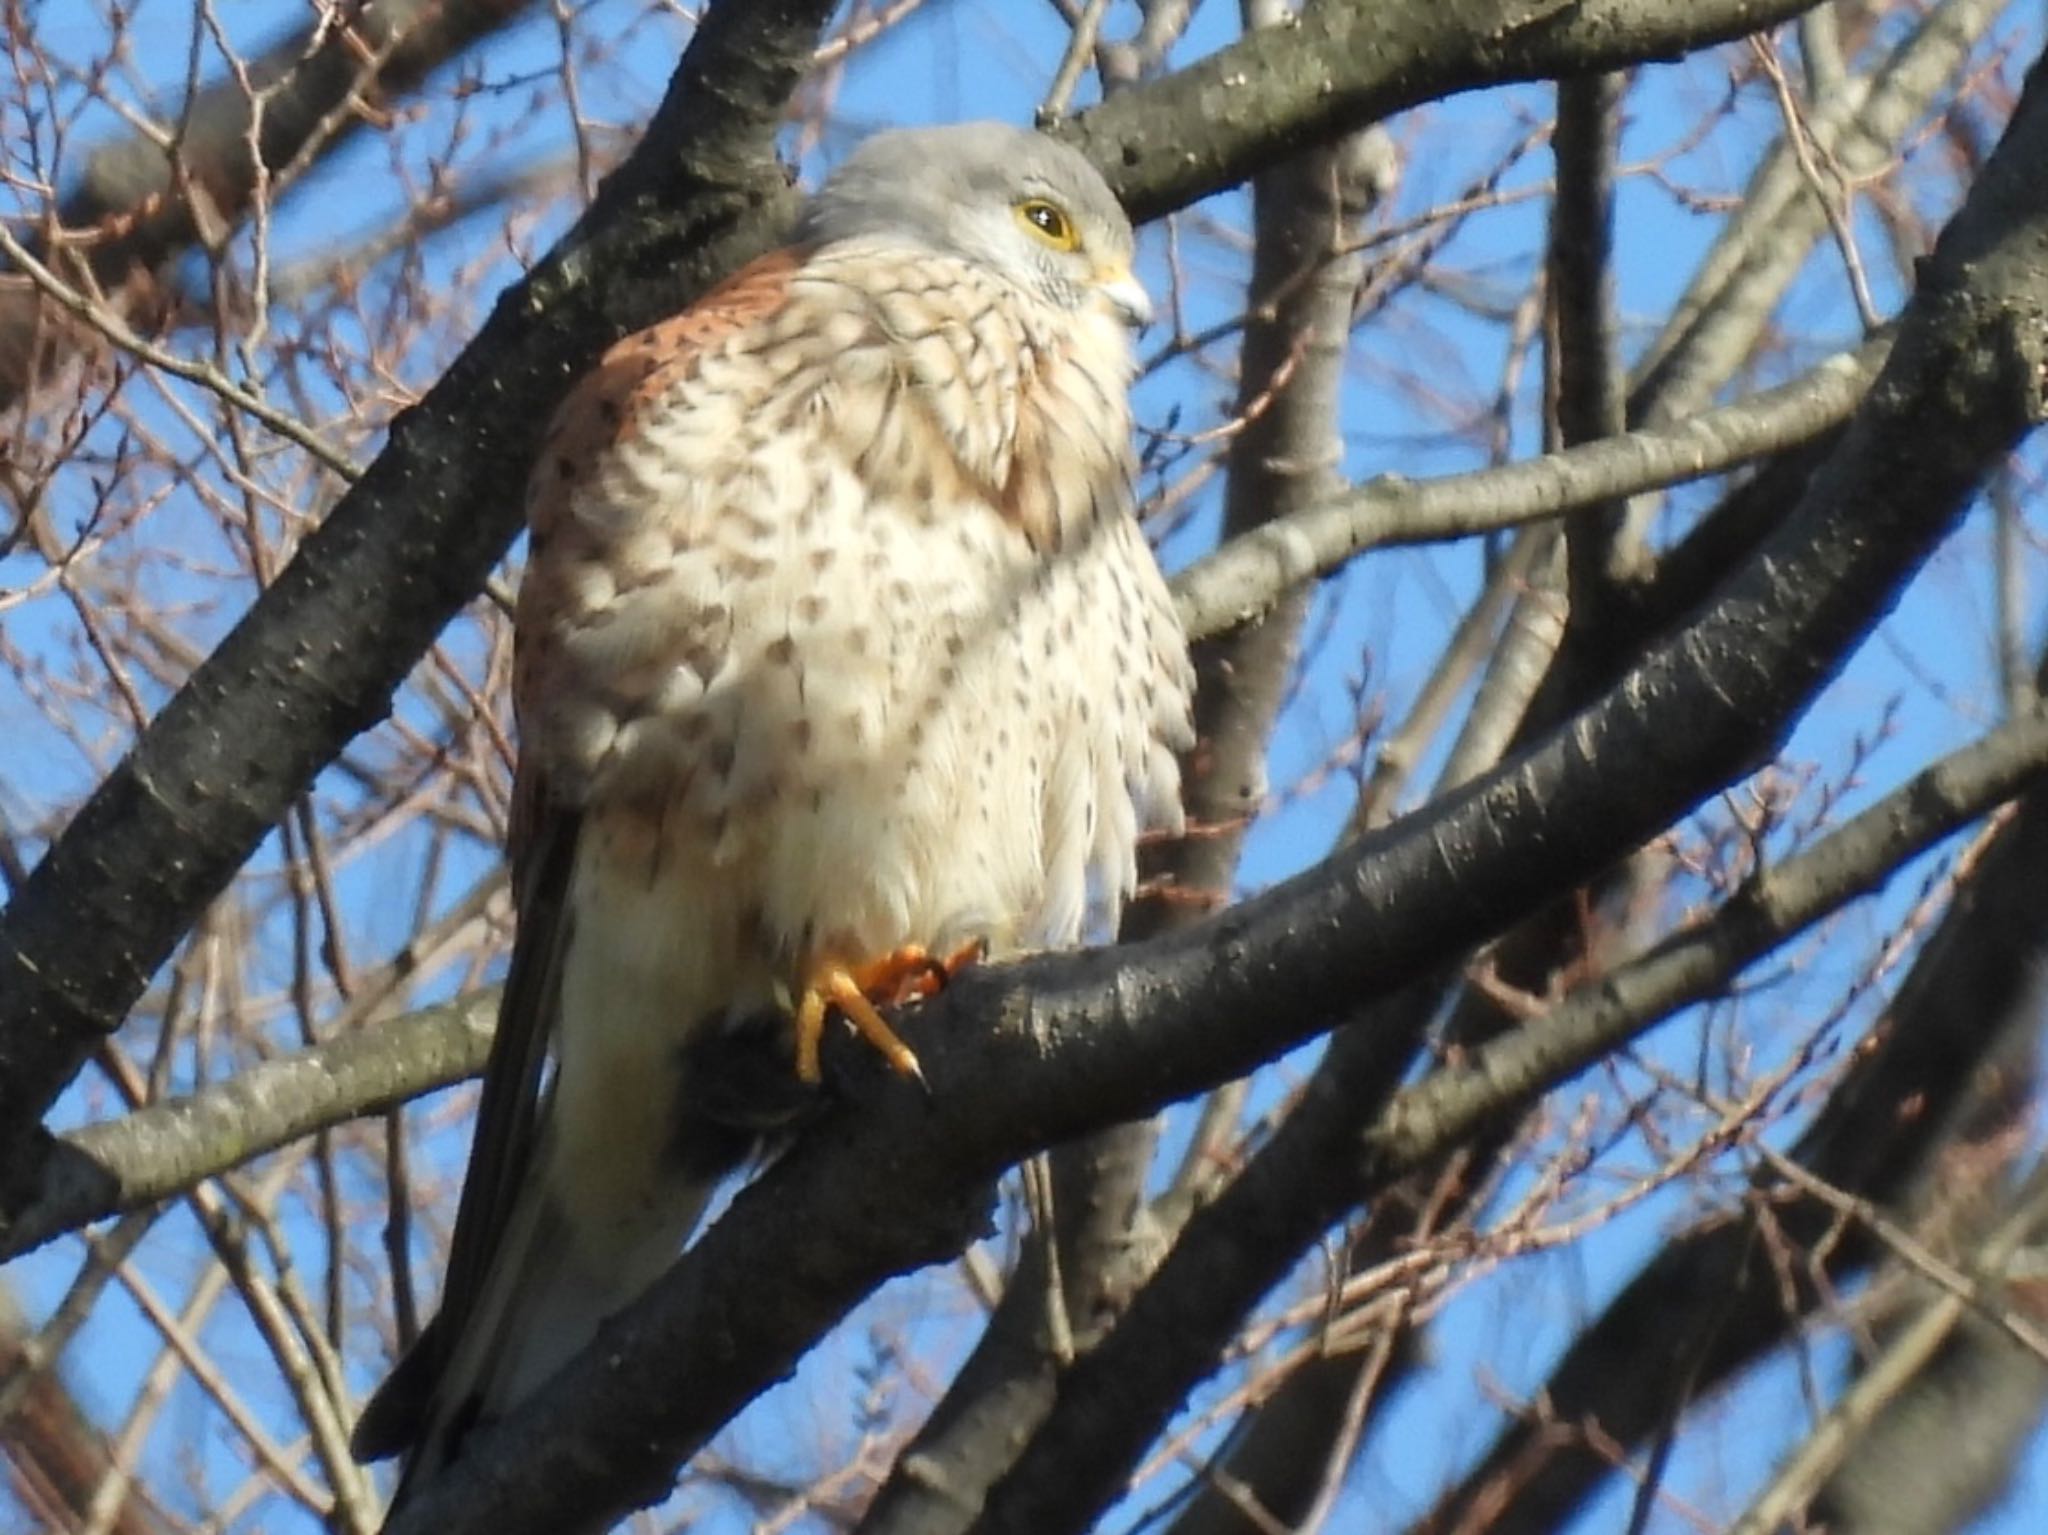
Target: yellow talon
<point x="810" y="1028"/>
<point x="906" y="974"/>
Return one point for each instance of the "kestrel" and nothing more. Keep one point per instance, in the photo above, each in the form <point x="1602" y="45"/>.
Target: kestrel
<point x="839" y="646"/>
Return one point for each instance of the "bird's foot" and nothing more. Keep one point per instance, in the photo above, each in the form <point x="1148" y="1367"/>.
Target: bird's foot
<point x="913" y="972"/>
<point x="859" y="991"/>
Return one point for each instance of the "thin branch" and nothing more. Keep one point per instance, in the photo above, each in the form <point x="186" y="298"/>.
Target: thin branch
<point x="1241" y="579"/>
<point x="103" y="319"/>
<point x="164" y="1149"/>
<point x="1911" y="1252"/>
<point x="1759" y="251"/>
<point x="1796" y="1482"/>
<point x="143" y="199"/>
<point x="1080" y="49"/>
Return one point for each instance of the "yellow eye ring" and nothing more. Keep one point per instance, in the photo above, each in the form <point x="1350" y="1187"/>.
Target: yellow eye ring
<point x="1050" y="223"/>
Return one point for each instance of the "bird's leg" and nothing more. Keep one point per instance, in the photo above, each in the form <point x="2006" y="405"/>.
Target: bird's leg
<point x="834" y="985"/>
<point x="905" y="974"/>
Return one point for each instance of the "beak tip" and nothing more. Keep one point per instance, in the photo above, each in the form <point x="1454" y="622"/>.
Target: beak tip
<point x="1128" y="300"/>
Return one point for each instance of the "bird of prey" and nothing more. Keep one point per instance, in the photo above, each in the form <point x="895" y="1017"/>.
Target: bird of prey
<point x="838" y="647"/>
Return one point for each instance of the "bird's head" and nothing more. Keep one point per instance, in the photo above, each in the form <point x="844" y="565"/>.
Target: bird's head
<point x="1016" y="201"/>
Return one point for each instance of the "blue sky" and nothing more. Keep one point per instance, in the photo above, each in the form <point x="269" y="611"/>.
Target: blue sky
<point x="1383" y="624"/>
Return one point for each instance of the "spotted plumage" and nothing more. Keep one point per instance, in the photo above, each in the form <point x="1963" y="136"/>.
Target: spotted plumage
<point x="837" y="635"/>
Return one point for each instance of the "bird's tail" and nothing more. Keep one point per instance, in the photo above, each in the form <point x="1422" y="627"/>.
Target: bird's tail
<point x="555" y="1278"/>
<point x="581" y="1187"/>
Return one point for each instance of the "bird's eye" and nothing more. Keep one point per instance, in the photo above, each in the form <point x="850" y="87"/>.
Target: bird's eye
<point x="1050" y="223"/>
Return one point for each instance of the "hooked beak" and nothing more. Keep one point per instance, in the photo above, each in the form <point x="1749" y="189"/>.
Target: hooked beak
<point x="1125" y="296"/>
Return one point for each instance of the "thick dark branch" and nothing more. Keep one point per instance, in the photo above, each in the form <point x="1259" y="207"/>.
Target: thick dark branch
<point x="1580" y="265"/>
<point x="316" y="660"/>
<point x="1585" y="353"/>
<point x="1342" y="66"/>
<point x="162" y="1150"/>
<point x="1024" y="1056"/>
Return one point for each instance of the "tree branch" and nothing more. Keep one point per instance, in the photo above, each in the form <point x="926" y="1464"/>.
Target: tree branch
<point x="1711" y="1301"/>
<point x="315" y="661"/>
<point x="1035" y="1053"/>
<point x="315" y="86"/>
<point x="1247" y="574"/>
<point x="161" y="1150"/>
<point x="124" y="1164"/>
<point x="1343" y="66"/>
